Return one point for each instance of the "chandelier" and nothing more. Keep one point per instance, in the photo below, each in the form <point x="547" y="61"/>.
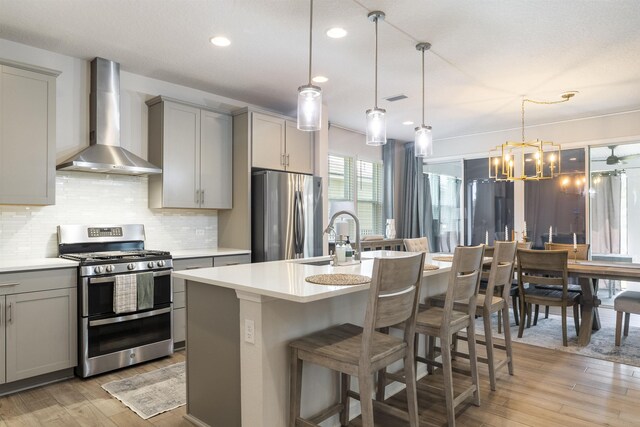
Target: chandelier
<point x="527" y="160"/>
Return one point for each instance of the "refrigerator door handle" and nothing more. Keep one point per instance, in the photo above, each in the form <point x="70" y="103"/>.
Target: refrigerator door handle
<point x="298" y="224"/>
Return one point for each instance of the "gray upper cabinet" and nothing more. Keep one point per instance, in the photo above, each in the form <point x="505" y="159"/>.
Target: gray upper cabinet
<point x="193" y="146"/>
<point x="27" y="135"/>
<point x="277" y="144"/>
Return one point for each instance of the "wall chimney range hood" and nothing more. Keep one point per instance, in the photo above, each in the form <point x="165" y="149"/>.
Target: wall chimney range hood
<point x="104" y="153"/>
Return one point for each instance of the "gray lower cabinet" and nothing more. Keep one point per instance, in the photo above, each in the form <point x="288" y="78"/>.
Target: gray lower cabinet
<point x="38" y="323"/>
<point x="179" y="294"/>
<point x="27" y="134"/>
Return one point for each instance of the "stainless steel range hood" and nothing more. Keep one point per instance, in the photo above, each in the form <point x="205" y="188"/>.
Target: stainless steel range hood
<point x="104" y="153"/>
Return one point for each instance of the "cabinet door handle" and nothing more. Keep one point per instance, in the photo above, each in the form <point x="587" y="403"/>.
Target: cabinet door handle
<point x="10" y="312"/>
<point x="287" y="159"/>
<point x="283" y="161"/>
<point x="202" y="197"/>
<point x="197" y="198"/>
<point x="2" y="285"/>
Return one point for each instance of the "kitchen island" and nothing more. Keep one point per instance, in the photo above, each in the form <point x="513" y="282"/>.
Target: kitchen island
<point x="240" y="320"/>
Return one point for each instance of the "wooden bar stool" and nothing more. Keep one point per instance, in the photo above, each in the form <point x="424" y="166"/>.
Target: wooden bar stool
<point x="500" y="276"/>
<point x="362" y="351"/>
<point x="420" y="244"/>
<point x="627" y="302"/>
<point x="445" y="322"/>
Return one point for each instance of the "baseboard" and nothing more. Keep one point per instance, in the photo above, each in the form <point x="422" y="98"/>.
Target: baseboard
<point x="37" y="381"/>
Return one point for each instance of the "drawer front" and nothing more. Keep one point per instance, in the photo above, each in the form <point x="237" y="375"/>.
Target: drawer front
<point x="178" y="300"/>
<point x="188" y="264"/>
<point x="37" y="280"/>
<point x="220" y="261"/>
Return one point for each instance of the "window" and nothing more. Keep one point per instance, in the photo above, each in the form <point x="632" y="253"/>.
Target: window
<point x="358" y="182"/>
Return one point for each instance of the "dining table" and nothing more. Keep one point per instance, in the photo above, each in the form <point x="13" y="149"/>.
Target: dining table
<point x="588" y="273"/>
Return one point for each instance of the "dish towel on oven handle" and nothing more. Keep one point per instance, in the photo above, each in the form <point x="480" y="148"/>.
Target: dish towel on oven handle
<point x="145" y="290"/>
<point x="125" y="293"/>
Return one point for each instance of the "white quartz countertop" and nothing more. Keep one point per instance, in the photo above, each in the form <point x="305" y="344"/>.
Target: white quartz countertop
<point x="286" y="279"/>
<point x="200" y="253"/>
<point x="10" y="266"/>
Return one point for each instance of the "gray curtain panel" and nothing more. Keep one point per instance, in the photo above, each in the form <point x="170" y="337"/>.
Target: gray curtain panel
<point x="416" y="213"/>
<point x="605" y="214"/>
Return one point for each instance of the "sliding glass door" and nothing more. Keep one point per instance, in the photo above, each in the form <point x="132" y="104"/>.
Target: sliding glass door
<point x="488" y="205"/>
<point x="443" y="183"/>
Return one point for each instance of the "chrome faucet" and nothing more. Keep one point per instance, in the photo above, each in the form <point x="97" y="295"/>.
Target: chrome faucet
<point x="355" y="218"/>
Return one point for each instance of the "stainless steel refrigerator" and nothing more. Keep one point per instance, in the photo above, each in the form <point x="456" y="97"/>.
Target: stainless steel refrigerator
<point x="286" y="216"/>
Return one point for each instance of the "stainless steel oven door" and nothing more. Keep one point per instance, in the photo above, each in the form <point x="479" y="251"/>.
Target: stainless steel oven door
<point x="96" y="293"/>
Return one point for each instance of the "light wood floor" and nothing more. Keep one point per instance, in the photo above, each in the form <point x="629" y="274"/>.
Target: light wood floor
<point x="549" y="388"/>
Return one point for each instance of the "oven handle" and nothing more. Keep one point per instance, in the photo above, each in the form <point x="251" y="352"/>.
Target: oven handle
<point x="129" y="317"/>
<point x="112" y="278"/>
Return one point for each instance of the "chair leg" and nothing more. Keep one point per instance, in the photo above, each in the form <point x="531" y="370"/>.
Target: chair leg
<point x="627" y="316"/>
<point x="488" y="337"/>
<point x="447" y="374"/>
<point x="295" y="387"/>
<point x="546" y="311"/>
<point x="535" y="317"/>
<point x="507" y="337"/>
<point x="365" y="382"/>
<point x="381" y="384"/>
<point x="576" y="318"/>
<point x="412" y="393"/>
<point x="454" y="346"/>
<point x="529" y="310"/>
<point x="500" y="321"/>
<point x="431" y="351"/>
<point x="473" y="360"/>
<point x="564" y="326"/>
<point x="618" y="327"/>
<point x="514" y="304"/>
<point x="522" y="314"/>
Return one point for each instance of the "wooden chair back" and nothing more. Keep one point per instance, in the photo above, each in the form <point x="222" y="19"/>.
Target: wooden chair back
<point x="464" y="279"/>
<point x="547" y="267"/>
<point x="581" y="254"/>
<point x="393" y="296"/>
<point x="501" y="273"/>
<point x="420" y="244"/>
<point x="525" y="245"/>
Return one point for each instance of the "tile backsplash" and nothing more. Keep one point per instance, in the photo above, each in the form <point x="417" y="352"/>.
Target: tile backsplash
<point x="88" y="198"/>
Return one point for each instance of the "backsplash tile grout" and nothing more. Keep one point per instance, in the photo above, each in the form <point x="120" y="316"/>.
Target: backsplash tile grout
<point x="88" y="198"/>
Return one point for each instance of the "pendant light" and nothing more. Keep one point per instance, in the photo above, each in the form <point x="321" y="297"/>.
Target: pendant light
<point x="376" y="120"/>
<point x="309" y="96"/>
<point x="423" y="140"/>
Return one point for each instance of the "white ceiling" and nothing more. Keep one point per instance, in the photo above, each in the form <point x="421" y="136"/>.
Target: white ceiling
<point x="486" y="54"/>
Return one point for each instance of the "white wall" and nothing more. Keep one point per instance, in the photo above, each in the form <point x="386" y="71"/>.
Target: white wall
<point x="352" y="143"/>
<point x="98" y="198"/>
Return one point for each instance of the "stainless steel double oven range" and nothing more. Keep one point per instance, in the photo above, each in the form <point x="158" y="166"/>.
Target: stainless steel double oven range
<point x="108" y="340"/>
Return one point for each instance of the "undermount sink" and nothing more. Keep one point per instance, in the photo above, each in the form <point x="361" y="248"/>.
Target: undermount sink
<point x="313" y="261"/>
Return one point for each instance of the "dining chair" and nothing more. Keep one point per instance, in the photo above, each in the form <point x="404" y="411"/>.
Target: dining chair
<point x="582" y="254"/>
<point x="362" y="351"/>
<point x="445" y="321"/>
<point x="419" y="244"/>
<point x="500" y="277"/>
<point x="547" y="268"/>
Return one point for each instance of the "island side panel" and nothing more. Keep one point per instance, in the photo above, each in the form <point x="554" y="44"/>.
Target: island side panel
<point x="265" y="364"/>
<point x="213" y="355"/>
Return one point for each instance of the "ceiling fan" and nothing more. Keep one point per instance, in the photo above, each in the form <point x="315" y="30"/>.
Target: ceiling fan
<point x="614" y="160"/>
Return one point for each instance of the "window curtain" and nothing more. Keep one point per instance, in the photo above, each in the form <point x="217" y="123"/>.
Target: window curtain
<point x="417" y="218"/>
<point x="605" y="214"/>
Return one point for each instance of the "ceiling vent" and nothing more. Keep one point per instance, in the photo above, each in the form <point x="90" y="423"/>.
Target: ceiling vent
<point x="395" y="98"/>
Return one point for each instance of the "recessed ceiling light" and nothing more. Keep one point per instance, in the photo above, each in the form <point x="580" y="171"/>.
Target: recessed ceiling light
<point x="220" y="41"/>
<point x="407" y="123"/>
<point x="336" y="32"/>
<point x="320" y="79"/>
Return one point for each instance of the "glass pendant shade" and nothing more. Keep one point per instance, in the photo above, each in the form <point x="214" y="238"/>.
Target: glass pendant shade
<point x="423" y="142"/>
<point x="376" y="126"/>
<point x="309" y="107"/>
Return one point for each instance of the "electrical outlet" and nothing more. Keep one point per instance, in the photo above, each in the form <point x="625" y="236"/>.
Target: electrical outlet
<point x="249" y="331"/>
<point x="199" y="231"/>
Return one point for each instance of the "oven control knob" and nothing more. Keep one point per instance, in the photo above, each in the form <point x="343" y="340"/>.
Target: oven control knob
<point x="99" y="269"/>
<point x="161" y="263"/>
<point x="109" y="268"/>
<point x="151" y="264"/>
<point x="131" y="266"/>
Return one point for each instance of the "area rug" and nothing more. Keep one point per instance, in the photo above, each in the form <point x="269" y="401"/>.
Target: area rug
<point x="548" y="333"/>
<point x="153" y="392"/>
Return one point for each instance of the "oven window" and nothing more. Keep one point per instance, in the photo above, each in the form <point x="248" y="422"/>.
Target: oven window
<point x="113" y="337"/>
<point x="100" y="298"/>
